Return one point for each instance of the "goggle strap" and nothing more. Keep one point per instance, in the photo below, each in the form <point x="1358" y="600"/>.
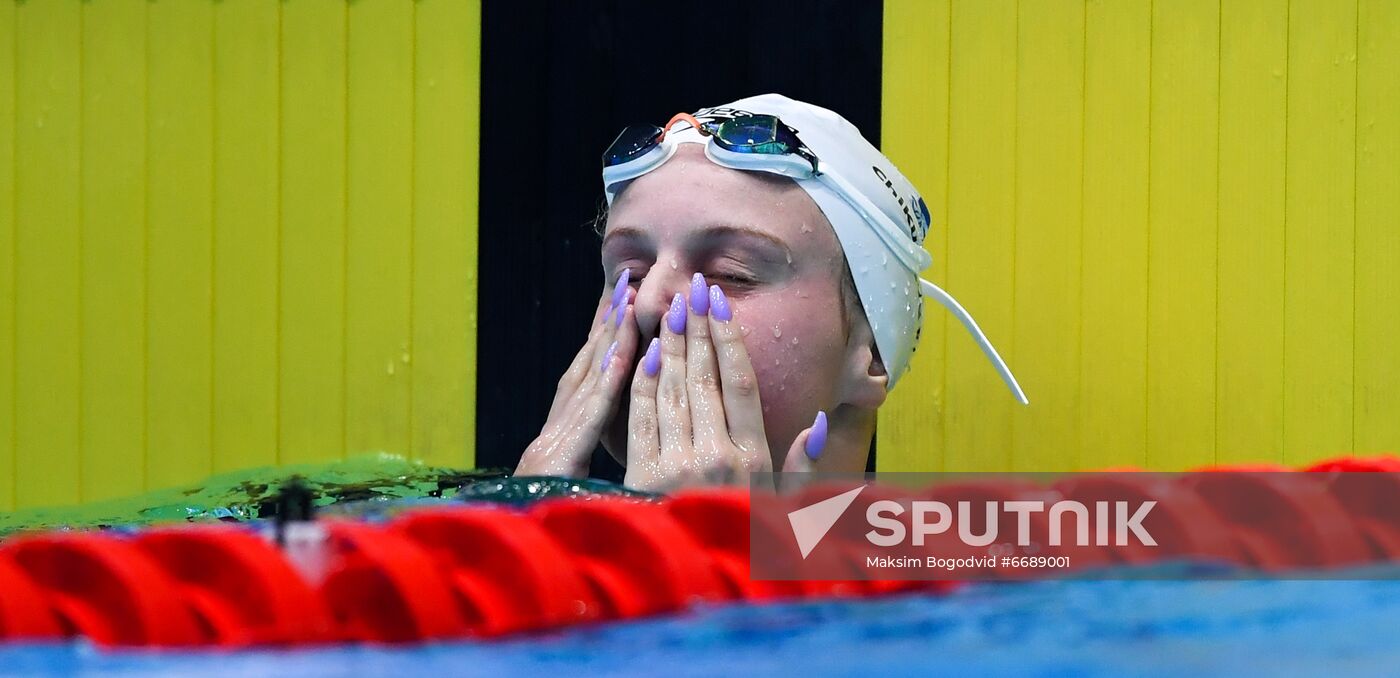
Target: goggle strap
<point x="937" y="294"/>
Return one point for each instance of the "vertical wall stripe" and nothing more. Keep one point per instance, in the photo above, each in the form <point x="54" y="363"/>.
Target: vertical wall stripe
<point x="914" y="132"/>
<point x="1376" y="366"/>
<point x="1182" y="234"/>
<point x="1049" y="146"/>
<point x="114" y="241"/>
<point x="1249" y="319"/>
<point x="8" y="420"/>
<point x="312" y="267"/>
<point x="1320" y="229"/>
<point x="445" y="174"/>
<point x="180" y="231"/>
<point x="48" y="370"/>
<point x="981" y="239"/>
<point x="246" y="178"/>
<point x="1113" y="280"/>
<point x="379" y="226"/>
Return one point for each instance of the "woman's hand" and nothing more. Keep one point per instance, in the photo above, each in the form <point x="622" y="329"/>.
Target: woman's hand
<point x="586" y="398"/>
<point x="695" y="412"/>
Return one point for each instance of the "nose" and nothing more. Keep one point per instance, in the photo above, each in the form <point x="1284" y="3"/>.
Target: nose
<point x="654" y="295"/>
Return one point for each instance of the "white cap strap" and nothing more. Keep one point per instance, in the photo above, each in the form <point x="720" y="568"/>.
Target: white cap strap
<point x="937" y="294"/>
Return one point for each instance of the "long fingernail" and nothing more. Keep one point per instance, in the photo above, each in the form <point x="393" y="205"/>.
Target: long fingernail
<point x="620" y="289"/>
<point x="816" y="440"/>
<point x="719" y="305"/>
<point x="621" y="311"/>
<point x="699" y="297"/>
<point x="607" y="357"/>
<point x="675" y="317"/>
<point x="651" y="362"/>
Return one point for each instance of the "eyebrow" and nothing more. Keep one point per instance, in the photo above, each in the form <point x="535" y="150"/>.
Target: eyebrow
<point x="713" y="231"/>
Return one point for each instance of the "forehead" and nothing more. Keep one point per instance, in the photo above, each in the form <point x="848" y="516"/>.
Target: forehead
<point x="689" y="192"/>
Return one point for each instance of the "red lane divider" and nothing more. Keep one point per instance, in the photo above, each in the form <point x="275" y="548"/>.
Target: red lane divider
<point x="509" y="574"/>
<point x="385" y="588"/>
<point x="488" y="571"/>
<point x="25" y="613"/>
<point x="636" y="555"/>
<point x="105" y="588"/>
<point x="266" y="603"/>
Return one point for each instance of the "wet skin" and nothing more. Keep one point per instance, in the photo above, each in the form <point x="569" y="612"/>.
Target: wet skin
<point x="757" y="342"/>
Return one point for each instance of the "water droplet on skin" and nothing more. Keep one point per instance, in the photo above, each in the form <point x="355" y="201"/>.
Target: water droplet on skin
<point x="674" y="264"/>
<point x="744" y="330"/>
<point x="805" y="228"/>
<point x="789" y="257"/>
<point x="794" y="341"/>
<point x="777" y="331"/>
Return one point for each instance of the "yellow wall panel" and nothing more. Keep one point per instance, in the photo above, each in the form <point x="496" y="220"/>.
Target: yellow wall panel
<point x="982" y="230"/>
<point x="1049" y="158"/>
<point x="48" y="253"/>
<point x="1320" y="225"/>
<point x="379" y="226"/>
<point x="225" y="224"/>
<point x="245" y="244"/>
<point x="1113" y="261"/>
<point x="114" y="243"/>
<point x="914" y="130"/>
<point x="1181" y="273"/>
<point x="311" y="314"/>
<point x="1376" y="410"/>
<point x="446" y="123"/>
<point x="1253" y="117"/>
<point x="179" y="218"/>
<point x="7" y="256"/>
<point x="1230" y="206"/>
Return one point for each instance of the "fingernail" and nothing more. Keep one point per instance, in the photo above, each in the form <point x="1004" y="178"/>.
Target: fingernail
<point x="816" y="439"/>
<point x="675" y="317"/>
<point x="620" y="289"/>
<point x="719" y="305"/>
<point x="652" y="361"/>
<point x="621" y="311"/>
<point x="699" y="297"/>
<point x="607" y="357"/>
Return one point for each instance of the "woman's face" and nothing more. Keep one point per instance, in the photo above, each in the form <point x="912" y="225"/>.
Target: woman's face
<point x="760" y="238"/>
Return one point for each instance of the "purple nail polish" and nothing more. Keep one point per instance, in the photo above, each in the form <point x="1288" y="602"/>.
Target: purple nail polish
<point x="606" y="315"/>
<point x="621" y="312"/>
<point x="719" y="305"/>
<point x="675" y="317"/>
<point x="607" y="357"/>
<point x="651" y="362"/>
<point x="699" y="296"/>
<point x="620" y="289"/>
<point x="816" y="440"/>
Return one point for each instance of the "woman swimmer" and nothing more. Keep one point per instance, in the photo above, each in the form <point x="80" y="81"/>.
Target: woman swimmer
<point x="763" y="289"/>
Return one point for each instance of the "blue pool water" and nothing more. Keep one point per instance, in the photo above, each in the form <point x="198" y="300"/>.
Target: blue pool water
<point x="1109" y="628"/>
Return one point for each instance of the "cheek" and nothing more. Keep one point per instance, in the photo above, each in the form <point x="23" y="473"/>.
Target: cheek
<point x="795" y="346"/>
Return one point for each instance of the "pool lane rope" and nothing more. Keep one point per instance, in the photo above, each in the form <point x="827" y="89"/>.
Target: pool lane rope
<point x="490" y="571"/>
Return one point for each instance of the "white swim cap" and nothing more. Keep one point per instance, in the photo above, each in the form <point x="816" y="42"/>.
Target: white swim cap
<point x="879" y="219"/>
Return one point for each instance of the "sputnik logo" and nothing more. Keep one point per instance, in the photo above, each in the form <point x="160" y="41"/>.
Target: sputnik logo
<point x="811" y="523"/>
